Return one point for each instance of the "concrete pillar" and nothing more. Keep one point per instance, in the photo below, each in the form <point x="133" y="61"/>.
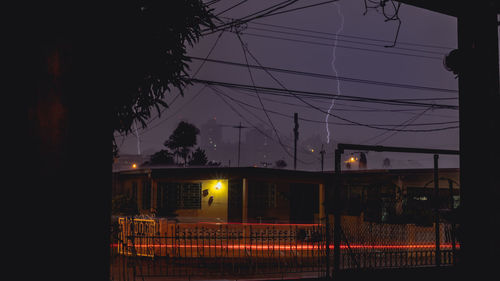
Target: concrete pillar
<point x="244" y="203"/>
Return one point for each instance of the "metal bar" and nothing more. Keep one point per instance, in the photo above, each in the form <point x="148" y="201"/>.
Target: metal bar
<point x="336" y="212"/>
<point x="436" y="210"/>
<point x="453" y="228"/>
<point x="379" y="148"/>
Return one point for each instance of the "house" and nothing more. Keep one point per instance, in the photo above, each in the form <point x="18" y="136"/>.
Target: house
<point x="257" y="195"/>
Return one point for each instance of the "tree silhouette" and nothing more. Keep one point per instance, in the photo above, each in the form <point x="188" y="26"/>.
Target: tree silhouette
<point x="183" y="139"/>
<point x="386" y="163"/>
<point x="198" y="158"/>
<point x="362" y="161"/>
<point x="151" y="56"/>
<point x="280" y="164"/>
<point x="162" y="157"/>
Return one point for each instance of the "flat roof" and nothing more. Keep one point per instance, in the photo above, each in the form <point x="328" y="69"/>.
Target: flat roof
<point x="255" y="173"/>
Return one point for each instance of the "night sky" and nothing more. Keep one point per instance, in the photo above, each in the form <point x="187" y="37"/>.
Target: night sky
<point x="304" y="40"/>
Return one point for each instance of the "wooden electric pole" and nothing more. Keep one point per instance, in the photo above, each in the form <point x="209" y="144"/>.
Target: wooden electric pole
<point x="296" y="137"/>
<point x="239" y="127"/>
<point x="322" y="152"/>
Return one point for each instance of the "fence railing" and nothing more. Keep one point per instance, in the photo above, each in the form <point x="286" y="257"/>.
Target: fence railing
<point x="264" y="249"/>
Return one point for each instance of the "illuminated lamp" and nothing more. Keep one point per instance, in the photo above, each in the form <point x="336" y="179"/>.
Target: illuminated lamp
<point x="134" y="166"/>
<point x="218" y="185"/>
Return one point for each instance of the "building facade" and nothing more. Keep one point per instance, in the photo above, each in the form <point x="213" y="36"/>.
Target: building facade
<point x="262" y="195"/>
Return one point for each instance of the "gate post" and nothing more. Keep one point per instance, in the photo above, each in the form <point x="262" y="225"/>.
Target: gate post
<point x="336" y="211"/>
<point x="436" y="210"/>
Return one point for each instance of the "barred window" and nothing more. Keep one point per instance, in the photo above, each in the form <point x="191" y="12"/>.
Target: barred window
<point x="180" y="195"/>
<point x="189" y="196"/>
<point x="262" y="195"/>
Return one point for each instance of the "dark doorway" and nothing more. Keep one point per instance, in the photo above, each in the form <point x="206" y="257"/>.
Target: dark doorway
<point x="234" y="201"/>
<point x="303" y="202"/>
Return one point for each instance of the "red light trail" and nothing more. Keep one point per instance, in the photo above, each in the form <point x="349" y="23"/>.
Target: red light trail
<point x="263" y="224"/>
<point x="280" y="247"/>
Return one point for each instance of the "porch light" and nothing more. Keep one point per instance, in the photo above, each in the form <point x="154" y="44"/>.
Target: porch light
<point x="218" y="185"/>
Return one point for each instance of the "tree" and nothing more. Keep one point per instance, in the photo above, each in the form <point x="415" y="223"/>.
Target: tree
<point x="362" y="161"/>
<point x="198" y="158"/>
<point x="162" y="157"/>
<point x="183" y="139"/>
<point x="386" y="163"/>
<point x="281" y="164"/>
<point x="150" y="56"/>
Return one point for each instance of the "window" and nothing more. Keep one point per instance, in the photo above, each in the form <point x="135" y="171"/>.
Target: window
<point x="173" y="196"/>
<point x="189" y="196"/>
<point x="262" y="195"/>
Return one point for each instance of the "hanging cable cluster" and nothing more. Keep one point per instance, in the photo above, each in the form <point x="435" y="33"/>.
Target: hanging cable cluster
<point x="394" y="16"/>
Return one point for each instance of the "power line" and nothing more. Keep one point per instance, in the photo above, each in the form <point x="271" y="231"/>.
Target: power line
<point x="232" y="7"/>
<point x="245" y="50"/>
<point x="284" y="146"/>
<point x="218" y="92"/>
<point x="327" y="112"/>
<point x="288" y="92"/>
<point x="209" y="3"/>
<point x="179" y="94"/>
<point x="346" y="124"/>
<point x="358" y="108"/>
<point x="343" y="40"/>
<point x="361" y="108"/>
<point x="341" y="46"/>
<point x="350" y="36"/>
<point x="301" y="8"/>
<point x="327" y="76"/>
<point x="175" y="113"/>
<point x="247" y="18"/>
<point x="267" y="12"/>
<point x="404" y="125"/>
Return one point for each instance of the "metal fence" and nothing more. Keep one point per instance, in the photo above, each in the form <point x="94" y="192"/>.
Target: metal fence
<point x="379" y="245"/>
<point x="220" y="249"/>
<point x="190" y="250"/>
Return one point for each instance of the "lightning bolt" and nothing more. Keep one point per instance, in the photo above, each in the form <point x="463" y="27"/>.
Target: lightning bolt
<point x="137" y="135"/>
<point x="138" y="139"/>
<point x="334" y="58"/>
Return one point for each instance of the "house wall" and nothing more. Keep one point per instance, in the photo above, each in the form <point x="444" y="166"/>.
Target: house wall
<point x="367" y="194"/>
<point x="214" y="209"/>
<point x="132" y="187"/>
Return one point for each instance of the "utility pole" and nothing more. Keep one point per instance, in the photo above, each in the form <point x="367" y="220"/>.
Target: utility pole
<point x="239" y="142"/>
<point x="296" y="137"/>
<point x="322" y="152"/>
<point x="239" y="127"/>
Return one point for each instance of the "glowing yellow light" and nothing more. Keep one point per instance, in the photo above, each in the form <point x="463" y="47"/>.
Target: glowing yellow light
<point x="134" y="166"/>
<point x="218" y="185"/>
<point x="352" y="159"/>
<point x="312" y="150"/>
